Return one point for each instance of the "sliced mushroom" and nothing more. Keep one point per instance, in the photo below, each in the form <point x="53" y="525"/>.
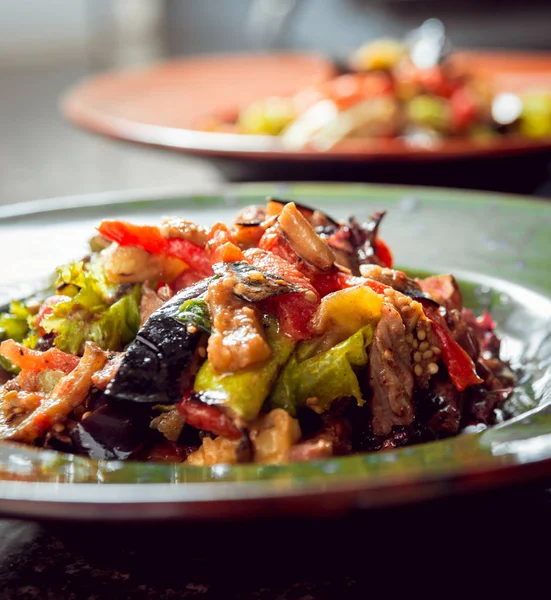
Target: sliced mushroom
<point x="303" y="238"/>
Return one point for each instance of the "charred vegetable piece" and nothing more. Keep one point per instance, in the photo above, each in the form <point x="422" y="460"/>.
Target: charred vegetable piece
<point x="447" y="404"/>
<point x="176" y="227"/>
<point x="252" y="215"/>
<point x="134" y="264"/>
<point x="364" y="237"/>
<point x="154" y="362"/>
<point x="357" y="244"/>
<point x="111" y="432"/>
<point x="460" y="366"/>
<point x="245" y="391"/>
<point x="207" y="417"/>
<point x="278" y="266"/>
<point x="320" y="379"/>
<point x="255" y="285"/>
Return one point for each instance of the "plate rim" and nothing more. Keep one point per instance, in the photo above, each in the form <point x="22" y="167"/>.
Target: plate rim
<point x="11" y="504"/>
<point x="116" y="197"/>
<point x="321" y="499"/>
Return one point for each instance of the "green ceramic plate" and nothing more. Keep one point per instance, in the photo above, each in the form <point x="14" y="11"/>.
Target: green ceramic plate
<point x="498" y="246"/>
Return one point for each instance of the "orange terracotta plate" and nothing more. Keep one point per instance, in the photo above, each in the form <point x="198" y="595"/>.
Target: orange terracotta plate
<point x="162" y="106"/>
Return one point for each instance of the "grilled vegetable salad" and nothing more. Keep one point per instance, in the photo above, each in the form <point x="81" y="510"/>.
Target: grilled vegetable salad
<point x="284" y="336"/>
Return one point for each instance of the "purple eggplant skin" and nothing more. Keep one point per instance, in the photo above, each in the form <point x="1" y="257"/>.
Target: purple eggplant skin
<point x="112" y="432"/>
<point x="153" y="364"/>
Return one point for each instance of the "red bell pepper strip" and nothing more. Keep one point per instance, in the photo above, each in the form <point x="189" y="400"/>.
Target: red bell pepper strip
<point x="383" y="253"/>
<point x="294" y="311"/>
<point x="276" y="265"/>
<point x="191" y="254"/>
<point x="461" y="368"/>
<point x="376" y="286"/>
<point x="126" y="234"/>
<point x="186" y="279"/>
<point x="150" y="239"/>
<point x="326" y="283"/>
<point x="207" y="417"/>
<point x="36" y="361"/>
<point x="294" y="314"/>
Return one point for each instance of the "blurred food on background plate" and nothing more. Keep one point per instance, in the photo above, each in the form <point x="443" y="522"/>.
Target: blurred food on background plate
<point x="408" y="89"/>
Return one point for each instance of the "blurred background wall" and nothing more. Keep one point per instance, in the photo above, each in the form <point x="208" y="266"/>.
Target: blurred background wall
<point x="41" y="32"/>
<point x="63" y="31"/>
<point x="47" y="45"/>
<point x="337" y="25"/>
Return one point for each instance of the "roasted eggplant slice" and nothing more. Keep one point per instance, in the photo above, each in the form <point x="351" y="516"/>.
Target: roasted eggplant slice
<point x="153" y="364"/>
<point x="112" y="432"/>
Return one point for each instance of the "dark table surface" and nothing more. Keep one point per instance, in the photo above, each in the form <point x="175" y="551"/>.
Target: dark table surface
<point x="458" y="544"/>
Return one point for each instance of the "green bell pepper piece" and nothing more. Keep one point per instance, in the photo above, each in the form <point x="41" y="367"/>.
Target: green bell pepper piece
<point x="7" y="366"/>
<point x="245" y="391"/>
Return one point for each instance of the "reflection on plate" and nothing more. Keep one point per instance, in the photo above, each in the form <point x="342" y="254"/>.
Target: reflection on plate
<point x="440" y="230"/>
